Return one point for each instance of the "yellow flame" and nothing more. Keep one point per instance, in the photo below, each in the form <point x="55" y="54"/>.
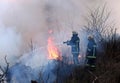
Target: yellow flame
<point x="53" y="51"/>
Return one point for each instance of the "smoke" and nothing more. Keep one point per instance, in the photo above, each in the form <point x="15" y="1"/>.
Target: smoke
<point x="10" y="43"/>
<point x="26" y="20"/>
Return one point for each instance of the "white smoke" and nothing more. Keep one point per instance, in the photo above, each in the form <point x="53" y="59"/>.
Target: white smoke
<point x="10" y="43"/>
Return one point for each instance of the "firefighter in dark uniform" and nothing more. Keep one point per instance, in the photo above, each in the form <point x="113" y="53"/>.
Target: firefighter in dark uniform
<point x="91" y="52"/>
<point x="75" y="49"/>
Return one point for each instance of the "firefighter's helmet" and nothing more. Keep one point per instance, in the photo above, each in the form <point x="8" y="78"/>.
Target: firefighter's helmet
<point x="74" y="32"/>
<point x="90" y="37"/>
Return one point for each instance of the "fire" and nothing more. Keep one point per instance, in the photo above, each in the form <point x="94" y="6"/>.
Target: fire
<point x="53" y="51"/>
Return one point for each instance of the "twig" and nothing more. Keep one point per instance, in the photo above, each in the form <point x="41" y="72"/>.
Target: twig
<point x="93" y="75"/>
<point x="96" y="77"/>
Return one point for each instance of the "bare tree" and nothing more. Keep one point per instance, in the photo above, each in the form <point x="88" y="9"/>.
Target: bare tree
<point x="4" y="71"/>
<point x="98" y="23"/>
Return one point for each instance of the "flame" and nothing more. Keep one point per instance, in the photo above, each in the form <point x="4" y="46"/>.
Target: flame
<point x="53" y="51"/>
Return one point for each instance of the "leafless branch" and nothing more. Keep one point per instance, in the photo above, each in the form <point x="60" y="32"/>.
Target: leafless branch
<point x="4" y="71"/>
<point x="98" y="24"/>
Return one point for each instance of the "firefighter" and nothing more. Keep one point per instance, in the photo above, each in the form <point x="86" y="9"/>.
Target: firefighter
<point x="91" y="52"/>
<point x="75" y="49"/>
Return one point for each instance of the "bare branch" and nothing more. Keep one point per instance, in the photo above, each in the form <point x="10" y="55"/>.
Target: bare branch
<point x="4" y="71"/>
<point x="98" y="24"/>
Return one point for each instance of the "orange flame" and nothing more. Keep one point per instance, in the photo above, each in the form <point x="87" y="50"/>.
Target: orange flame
<point x="53" y="51"/>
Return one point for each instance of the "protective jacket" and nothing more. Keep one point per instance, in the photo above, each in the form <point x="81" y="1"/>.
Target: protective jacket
<point x="74" y="43"/>
<point x="91" y="49"/>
